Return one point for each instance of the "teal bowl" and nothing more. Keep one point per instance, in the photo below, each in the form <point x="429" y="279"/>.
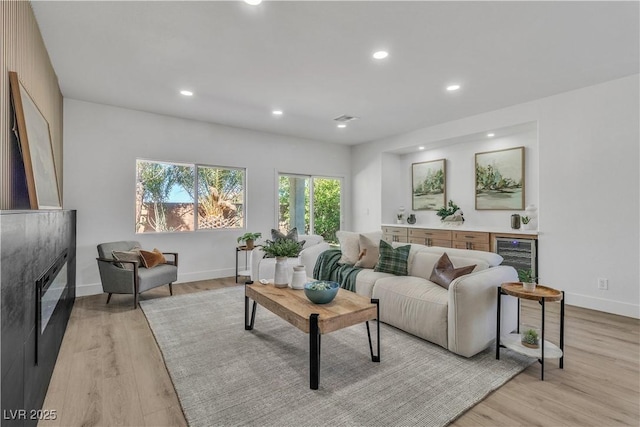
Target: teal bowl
<point x="321" y="296"/>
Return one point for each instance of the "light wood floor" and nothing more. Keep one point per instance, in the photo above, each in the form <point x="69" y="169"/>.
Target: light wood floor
<point x="110" y="371"/>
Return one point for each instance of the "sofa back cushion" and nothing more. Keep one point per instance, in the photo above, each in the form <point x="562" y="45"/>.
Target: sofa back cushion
<point x="422" y="262"/>
<point x="310" y="239"/>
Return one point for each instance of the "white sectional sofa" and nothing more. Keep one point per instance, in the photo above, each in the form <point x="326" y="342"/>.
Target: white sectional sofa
<point x="462" y="318"/>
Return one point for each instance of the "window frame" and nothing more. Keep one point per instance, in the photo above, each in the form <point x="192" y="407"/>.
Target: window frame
<point x="194" y="166"/>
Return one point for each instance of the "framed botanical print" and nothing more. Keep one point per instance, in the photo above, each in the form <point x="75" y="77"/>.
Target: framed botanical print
<point x="428" y="185"/>
<point x="500" y="179"/>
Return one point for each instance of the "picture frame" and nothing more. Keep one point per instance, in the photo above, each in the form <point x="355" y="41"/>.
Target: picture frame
<point x="499" y="179"/>
<point x="37" y="151"/>
<point x="429" y="185"/>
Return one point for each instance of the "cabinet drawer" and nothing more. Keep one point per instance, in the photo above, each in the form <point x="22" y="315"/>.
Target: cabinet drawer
<point x="471" y="245"/>
<point x="390" y="238"/>
<point x="428" y="241"/>
<point x="471" y="236"/>
<point x="399" y="231"/>
<point x="424" y="233"/>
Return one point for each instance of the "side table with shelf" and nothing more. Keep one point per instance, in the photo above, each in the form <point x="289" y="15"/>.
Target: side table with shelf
<point x="547" y="350"/>
<point x="246" y="271"/>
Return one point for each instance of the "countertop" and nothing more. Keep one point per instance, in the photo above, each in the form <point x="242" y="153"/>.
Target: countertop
<point x="464" y="227"/>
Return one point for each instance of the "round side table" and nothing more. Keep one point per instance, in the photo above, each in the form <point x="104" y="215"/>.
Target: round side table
<point x="546" y="350"/>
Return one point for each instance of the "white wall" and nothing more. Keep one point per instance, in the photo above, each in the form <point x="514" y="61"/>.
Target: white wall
<point x="460" y="160"/>
<point x="589" y="187"/>
<point x="102" y="143"/>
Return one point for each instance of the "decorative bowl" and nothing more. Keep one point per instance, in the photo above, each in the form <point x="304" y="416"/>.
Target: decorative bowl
<point x="321" y="291"/>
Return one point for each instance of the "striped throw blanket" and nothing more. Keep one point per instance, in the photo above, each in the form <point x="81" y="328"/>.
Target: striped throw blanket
<point x="327" y="268"/>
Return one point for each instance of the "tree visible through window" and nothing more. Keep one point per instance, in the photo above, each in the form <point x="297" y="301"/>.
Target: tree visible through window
<point x="166" y="197"/>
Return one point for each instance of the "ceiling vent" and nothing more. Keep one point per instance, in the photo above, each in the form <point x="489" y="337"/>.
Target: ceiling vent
<point x="345" y="118"/>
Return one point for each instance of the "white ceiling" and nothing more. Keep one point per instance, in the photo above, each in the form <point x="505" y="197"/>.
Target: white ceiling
<point x="313" y="59"/>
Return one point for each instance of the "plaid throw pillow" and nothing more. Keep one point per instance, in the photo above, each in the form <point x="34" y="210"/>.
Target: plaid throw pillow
<point x="392" y="260"/>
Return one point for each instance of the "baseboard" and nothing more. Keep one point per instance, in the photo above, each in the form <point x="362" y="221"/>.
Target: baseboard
<point x="86" y="289"/>
<point x="602" y="304"/>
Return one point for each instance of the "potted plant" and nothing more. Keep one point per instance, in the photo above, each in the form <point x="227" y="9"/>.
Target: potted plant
<point x="450" y="213"/>
<point x="281" y="249"/>
<point x="249" y="239"/>
<point x="527" y="279"/>
<point x="530" y="338"/>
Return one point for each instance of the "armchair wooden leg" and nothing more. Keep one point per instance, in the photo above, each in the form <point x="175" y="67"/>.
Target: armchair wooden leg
<point x="135" y="300"/>
<point x="109" y="298"/>
<point x="170" y="289"/>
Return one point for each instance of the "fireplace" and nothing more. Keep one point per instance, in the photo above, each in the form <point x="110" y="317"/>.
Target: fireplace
<point x="51" y="288"/>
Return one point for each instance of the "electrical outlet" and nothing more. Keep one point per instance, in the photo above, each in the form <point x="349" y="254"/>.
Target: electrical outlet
<point x="603" y="284"/>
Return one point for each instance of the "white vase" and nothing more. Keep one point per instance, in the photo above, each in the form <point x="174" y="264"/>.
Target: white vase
<point x="299" y="277"/>
<point x="281" y="279"/>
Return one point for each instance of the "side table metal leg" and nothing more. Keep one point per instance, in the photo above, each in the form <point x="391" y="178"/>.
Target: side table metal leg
<point x="314" y="352"/>
<point x="562" y="331"/>
<point x="498" y="325"/>
<point x="236" y="265"/>
<point x="542" y="343"/>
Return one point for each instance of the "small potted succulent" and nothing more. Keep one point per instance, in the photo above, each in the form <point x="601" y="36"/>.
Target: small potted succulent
<point x="527" y="279"/>
<point x="530" y="338"/>
<point x="249" y="239"/>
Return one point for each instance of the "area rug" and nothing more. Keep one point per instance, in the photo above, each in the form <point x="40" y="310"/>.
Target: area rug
<point x="227" y="376"/>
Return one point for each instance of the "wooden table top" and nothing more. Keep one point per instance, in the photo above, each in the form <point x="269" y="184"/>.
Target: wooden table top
<point x="541" y="292"/>
<point x="347" y="308"/>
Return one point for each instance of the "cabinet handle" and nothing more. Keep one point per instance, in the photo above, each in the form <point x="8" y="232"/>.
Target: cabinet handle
<point x="395" y="239"/>
<point x="427" y="241"/>
<point x="469" y="237"/>
<point x="469" y="245"/>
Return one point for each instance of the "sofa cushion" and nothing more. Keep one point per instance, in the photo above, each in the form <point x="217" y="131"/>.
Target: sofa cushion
<point x="414" y="305"/>
<point x="152" y="258"/>
<point x="369" y="252"/>
<point x="423" y="262"/>
<point x="393" y="260"/>
<point x="132" y="255"/>
<point x="349" y="246"/>
<point x="366" y="279"/>
<point x="162" y="274"/>
<point x="444" y="272"/>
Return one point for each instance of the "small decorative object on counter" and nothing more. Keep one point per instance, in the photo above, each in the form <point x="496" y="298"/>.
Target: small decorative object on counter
<point x="411" y="219"/>
<point x="531" y="213"/>
<point x="530" y="339"/>
<point x="515" y="221"/>
<point x="451" y="213"/>
<point x="400" y="215"/>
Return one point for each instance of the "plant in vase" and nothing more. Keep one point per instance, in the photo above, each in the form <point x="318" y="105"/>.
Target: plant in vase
<point x="450" y="213"/>
<point x="249" y="239"/>
<point x="281" y="249"/>
<point x="527" y="279"/>
<point x="530" y="338"/>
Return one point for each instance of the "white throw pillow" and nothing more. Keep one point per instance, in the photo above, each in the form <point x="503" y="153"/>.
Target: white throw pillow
<point x="349" y="245"/>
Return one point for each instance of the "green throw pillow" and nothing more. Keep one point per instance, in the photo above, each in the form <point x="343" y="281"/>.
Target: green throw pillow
<point x="392" y="260"/>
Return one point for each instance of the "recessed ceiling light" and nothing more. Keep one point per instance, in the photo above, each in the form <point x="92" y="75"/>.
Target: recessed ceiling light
<point x="186" y="93"/>
<point x="381" y="54"/>
<point x="491" y="134"/>
<point x="277" y="112"/>
<point x="451" y="88"/>
<point x="253" y="2"/>
<point x="420" y="148"/>
<point x="342" y="125"/>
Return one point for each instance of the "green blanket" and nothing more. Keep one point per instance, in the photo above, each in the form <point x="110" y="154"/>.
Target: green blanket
<point x="327" y="268"/>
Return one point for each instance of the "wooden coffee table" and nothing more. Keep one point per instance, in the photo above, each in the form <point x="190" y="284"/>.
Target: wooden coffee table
<point x="347" y="309"/>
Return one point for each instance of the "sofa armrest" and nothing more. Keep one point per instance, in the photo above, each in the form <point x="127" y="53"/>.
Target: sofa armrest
<point x="472" y="309"/>
<point x="309" y="256"/>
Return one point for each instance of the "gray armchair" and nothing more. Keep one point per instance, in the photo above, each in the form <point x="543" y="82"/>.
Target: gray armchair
<point x="118" y="280"/>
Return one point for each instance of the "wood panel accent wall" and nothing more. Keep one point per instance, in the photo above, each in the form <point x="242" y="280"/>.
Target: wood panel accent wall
<point x="24" y="52"/>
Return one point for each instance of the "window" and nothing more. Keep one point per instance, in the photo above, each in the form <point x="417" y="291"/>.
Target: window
<point x="311" y="204"/>
<point x="166" y="197"/>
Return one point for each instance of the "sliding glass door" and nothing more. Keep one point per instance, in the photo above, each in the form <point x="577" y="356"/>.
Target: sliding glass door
<point x="312" y="204"/>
